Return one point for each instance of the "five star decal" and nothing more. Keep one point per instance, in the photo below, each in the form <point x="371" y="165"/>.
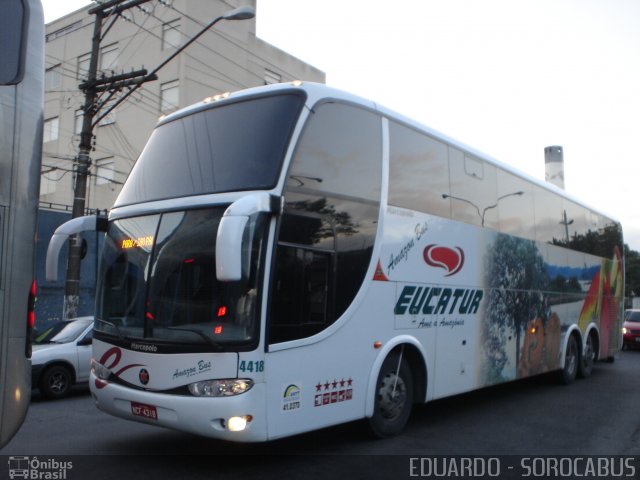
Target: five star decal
<point x="333" y="391"/>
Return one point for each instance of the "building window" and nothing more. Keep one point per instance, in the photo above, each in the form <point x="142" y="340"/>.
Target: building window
<point x="109" y="119"/>
<point x="271" y="77"/>
<point x="171" y="36"/>
<point x="109" y="57"/>
<point x="51" y="127"/>
<point x="104" y="171"/>
<point x="83" y="66"/>
<point x="47" y="184"/>
<point x="53" y="77"/>
<point x="169" y="97"/>
<point x="64" y="31"/>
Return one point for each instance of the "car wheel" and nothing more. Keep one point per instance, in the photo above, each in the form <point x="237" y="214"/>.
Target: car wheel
<point x="572" y="359"/>
<point x="588" y="358"/>
<point x="55" y="382"/>
<point x="394" y="398"/>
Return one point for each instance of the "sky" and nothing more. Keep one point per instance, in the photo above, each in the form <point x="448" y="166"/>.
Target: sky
<point x="506" y="77"/>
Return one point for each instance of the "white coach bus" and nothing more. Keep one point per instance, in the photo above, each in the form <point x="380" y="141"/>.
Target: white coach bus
<point x="291" y="257"/>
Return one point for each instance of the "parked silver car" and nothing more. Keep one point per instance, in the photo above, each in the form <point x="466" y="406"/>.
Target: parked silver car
<point x="62" y="356"/>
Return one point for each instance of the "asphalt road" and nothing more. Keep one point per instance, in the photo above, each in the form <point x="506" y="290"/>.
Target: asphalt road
<point x="595" y="416"/>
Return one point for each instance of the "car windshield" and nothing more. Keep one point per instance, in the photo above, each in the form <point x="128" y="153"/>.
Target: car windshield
<point x="45" y="336"/>
<point x="67" y="331"/>
<point x="633" y="316"/>
<point x="158" y="283"/>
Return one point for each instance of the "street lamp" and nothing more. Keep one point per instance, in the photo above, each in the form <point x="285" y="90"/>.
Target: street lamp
<point x="240" y="13"/>
<point x="484" y="211"/>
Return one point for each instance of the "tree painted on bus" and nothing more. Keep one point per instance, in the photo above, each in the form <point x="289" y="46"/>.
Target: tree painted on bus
<point x="517" y="279"/>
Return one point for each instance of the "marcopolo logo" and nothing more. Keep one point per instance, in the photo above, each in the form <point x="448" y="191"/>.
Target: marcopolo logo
<point x="449" y="259"/>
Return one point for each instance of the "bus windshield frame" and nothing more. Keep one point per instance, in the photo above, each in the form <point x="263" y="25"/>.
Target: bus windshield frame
<point x="158" y="284"/>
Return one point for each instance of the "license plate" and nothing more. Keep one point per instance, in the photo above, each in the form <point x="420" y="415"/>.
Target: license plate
<point x="144" y="410"/>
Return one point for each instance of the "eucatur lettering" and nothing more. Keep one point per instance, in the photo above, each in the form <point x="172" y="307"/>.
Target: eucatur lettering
<point x="438" y="301"/>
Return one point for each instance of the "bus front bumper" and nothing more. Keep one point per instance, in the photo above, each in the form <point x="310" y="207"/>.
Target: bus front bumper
<point x="206" y="416"/>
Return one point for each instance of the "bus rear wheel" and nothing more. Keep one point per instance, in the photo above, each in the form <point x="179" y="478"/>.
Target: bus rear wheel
<point x="394" y="398"/>
<point x="571" y="361"/>
<point x="588" y="358"/>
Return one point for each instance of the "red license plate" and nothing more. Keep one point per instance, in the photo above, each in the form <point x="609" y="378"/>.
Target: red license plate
<point x="144" y="410"/>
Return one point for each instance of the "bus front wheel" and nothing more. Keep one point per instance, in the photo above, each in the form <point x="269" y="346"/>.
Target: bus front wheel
<point x="394" y="397"/>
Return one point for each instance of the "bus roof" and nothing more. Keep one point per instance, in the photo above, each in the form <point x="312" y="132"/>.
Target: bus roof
<point x="316" y="92"/>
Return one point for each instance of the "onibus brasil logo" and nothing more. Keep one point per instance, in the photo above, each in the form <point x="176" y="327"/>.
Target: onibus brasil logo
<point x="38" y="469"/>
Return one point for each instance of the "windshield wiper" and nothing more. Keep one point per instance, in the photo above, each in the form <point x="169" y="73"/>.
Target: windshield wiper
<point x="120" y="336"/>
<point x="200" y="333"/>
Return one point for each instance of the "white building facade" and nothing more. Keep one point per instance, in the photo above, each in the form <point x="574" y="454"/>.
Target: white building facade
<point x="228" y="57"/>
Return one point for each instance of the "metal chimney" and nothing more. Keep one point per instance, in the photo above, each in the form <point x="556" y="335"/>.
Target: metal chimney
<point x="554" y="166"/>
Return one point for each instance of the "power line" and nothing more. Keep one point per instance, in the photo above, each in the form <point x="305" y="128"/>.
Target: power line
<point x="206" y="65"/>
<point x="231" y="40"/>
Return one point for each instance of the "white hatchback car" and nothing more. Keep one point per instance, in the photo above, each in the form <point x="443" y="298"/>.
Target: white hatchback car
<point x="62" y="356"/>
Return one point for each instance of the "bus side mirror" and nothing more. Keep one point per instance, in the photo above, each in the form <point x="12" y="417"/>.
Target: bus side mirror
<point x="231" y="258"/>
<point x="13" y="38"/>
<point x="90" y="223"/>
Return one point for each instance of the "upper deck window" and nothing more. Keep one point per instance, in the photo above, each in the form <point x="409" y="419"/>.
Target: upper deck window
<point x="232" y="147"/>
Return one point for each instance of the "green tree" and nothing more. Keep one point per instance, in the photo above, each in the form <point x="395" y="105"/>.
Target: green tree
<point x="517" y="280"/>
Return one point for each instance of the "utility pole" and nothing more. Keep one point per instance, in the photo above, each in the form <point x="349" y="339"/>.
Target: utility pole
<point x="566" y="224"/>
<point x="93" y="85"/>
<point x="110" y="10"/>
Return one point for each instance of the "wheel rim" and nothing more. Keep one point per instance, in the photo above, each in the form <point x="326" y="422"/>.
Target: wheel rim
<point x="589" y="354"/>
<point x="392" y="396"/>
<point x="572" y="357"/>
<point x="58" y="382"/>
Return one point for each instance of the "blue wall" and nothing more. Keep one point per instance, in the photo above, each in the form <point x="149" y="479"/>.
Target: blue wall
<point x="50" y="296"/>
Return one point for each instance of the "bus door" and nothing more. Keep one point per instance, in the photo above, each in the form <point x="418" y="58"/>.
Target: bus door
<point x="302" y="306"/>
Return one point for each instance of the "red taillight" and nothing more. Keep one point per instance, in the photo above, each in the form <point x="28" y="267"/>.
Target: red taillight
<point x="217" y="330"/>
<point x="31" y="314"/>
<point x="222" y="311"/>
<point x="31" y="318"/>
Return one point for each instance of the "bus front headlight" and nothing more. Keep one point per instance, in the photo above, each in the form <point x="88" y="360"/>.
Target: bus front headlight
<point x="220" y="388"/>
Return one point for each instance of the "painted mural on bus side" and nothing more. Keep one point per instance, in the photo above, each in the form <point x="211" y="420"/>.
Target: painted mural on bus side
<point x="531" y="301"/>
<point x="512" y="299"/>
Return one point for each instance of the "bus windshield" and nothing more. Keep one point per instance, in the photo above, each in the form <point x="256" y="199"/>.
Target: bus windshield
<point x="230" y="147"/>
<point x="158" y="284"/>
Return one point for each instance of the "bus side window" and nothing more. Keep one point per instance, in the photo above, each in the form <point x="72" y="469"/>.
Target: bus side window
<point x="418" y="171"/>
<point x="327" y="230"/>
